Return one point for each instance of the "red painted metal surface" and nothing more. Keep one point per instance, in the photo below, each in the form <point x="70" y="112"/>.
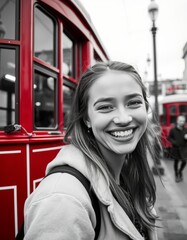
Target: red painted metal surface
<point x="26" y="65"/>
<point x="24" y="154"/>
<point x="13" y="188"/>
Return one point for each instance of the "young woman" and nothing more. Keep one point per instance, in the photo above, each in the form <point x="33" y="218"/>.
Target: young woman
<point x="108" y="139"/>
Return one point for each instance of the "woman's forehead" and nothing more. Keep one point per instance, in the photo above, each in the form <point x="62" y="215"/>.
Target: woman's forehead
<point x="115" y="82"/>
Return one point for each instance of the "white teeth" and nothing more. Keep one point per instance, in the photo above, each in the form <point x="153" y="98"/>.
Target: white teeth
<point x="122" y="133"/>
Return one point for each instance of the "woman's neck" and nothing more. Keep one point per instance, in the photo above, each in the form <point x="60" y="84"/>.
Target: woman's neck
<point x="115" y="162"/>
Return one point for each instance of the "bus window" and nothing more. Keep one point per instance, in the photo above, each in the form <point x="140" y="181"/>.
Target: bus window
<point x="45" y="80"/>
<point x="173" y="114"/>
<point x="173" y="119"/>
<point x="7" y="86"/>
<point x="68" y="94"/>
<point x="183" y="109"/>
<point x="172" y="110"/>
<point x="45" y="109"/>
<point x="68" y="55"/>
<point x="163" y="119"/>
<point x="9" y="19"/>
<point x="44" y="37"/>
<point x="96" y="58"/>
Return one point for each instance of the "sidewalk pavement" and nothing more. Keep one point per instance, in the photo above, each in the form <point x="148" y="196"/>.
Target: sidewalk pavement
<point x="171" y="206"/>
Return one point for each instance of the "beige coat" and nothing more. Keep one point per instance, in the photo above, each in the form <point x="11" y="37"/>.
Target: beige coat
<point x="60" y="208"/>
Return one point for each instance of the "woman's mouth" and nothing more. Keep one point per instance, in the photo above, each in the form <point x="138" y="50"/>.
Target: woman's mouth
<point x="119" y="134"/>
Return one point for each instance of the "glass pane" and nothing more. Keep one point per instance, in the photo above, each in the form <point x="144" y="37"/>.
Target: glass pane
<point x="96" y="58"/>
<point x="67" y="55"/>
<point x="172" y="110"/>
<point x="173" y="119"/>
<point x="163" y="118"/>
<point x="8" y="19"/>
<point x="44" y="101"/>
<point x="183" y="109"/>
<point x="68" y="94"/>
<point x="44" y="37"/>
<point x="7" y="86"/>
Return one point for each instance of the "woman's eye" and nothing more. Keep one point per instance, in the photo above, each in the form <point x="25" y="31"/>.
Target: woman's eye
<point x="135" y="103"/>
<point x="105" y="108"/>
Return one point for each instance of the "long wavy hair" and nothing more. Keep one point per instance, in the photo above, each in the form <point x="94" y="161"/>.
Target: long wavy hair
<point x="138" y="193"/>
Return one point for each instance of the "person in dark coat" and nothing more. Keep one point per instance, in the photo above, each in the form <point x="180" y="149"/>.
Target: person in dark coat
<point x="178" y="137"/>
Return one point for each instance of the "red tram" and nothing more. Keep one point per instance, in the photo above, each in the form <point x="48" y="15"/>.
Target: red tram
<point x="170" y="107"/>
<point x="44" y="47"/>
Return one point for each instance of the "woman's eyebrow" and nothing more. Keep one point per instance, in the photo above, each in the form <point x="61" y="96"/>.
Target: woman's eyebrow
<point x="134" y="95"/>
<point x="108" y="99"/>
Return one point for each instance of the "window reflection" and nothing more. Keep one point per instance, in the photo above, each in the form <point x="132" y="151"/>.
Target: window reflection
<point x="8" y="19"/>
<point x="67" y="55"/>
<point x="7" y="86"/>
<point x="68" y="94"/>
<point x="96" y="58"/>
<point x="172" y="109"/>
<point x="163" y="117"/>
<point x="173" y="113"/>
<point x="44" y="101"/>
<point x="44" y="30"/>
<point x="183" y="109"/>
<point x="173" y="119"/>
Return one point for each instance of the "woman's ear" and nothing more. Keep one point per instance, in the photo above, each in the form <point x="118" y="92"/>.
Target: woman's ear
<point x="87" y="123"/>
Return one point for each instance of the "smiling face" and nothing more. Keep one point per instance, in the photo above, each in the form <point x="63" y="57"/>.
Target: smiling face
<point x="116" y="113"/>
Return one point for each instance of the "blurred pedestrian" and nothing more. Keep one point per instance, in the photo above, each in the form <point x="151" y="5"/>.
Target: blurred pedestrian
<point x="108" y="137"/>
<point x="178" y="137"/>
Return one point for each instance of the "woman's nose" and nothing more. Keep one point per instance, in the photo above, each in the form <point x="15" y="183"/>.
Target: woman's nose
<point x="122" y="119"/>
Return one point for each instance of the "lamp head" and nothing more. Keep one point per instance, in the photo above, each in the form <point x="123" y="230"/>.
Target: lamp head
<point x="153" y="10"/>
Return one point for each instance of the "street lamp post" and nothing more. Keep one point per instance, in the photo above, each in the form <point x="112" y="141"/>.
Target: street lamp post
<point x="2" y="34"/>
<point x="153" y="12"/>
<point x="2" y="29"/>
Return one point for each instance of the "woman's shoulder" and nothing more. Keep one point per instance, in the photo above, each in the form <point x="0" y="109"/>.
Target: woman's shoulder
<point x="59" y="200"/>
<point x="69" y="155"/>
<point x="61" y="186"/>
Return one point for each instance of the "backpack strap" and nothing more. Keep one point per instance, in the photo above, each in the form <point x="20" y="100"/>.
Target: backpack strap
<point x="85" y="182"/>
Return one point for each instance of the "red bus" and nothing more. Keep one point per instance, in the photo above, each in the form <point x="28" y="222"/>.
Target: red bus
<point x="170" y="107"/>
<point x="44" y="47"/>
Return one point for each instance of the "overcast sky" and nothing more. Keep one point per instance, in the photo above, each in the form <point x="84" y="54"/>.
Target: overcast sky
<point x="124" y="28"/>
